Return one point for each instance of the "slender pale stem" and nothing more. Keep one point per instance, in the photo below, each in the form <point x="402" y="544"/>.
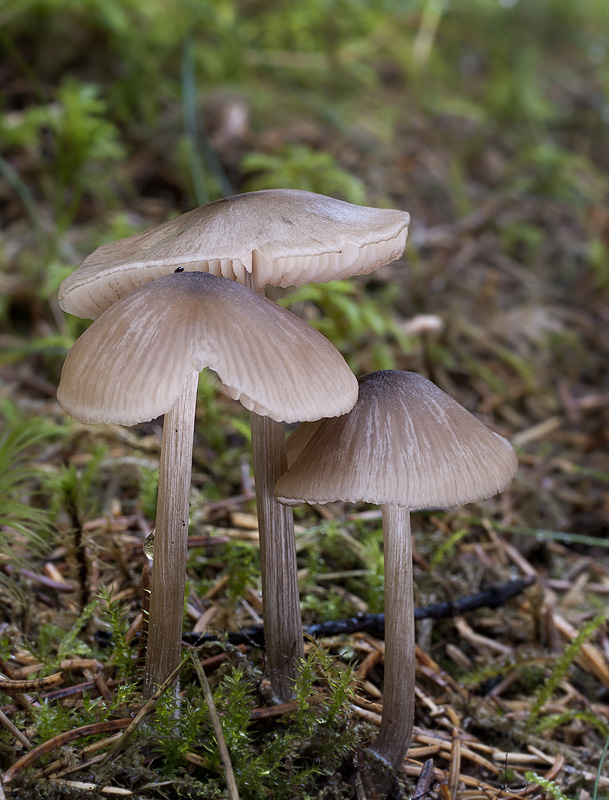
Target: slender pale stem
<point x="278" y="567"/>
<point x="398" y="691"/>
<point x="171" y="540"/>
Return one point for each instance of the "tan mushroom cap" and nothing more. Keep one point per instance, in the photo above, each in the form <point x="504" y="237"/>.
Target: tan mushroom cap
<point x="405" y="442"/>
<point x="283" y="237"/>
<point x="131" y="364"/>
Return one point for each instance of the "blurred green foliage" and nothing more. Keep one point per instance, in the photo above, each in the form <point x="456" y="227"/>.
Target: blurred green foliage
<point x="360" y="323"/>
<point x="301" y="167"/>
<point x="102" y="97"/>
<point x="100" y="77"/>
<point x="84" y="144"/>
<point x="26" y="526"/>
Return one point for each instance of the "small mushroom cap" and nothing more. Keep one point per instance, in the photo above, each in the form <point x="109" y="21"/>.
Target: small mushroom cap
<point x="405" y="442"/>
<point x="282" y="237"/>
<point x="131" y="364"/>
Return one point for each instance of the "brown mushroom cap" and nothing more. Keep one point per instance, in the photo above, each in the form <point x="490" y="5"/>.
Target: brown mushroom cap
<point x="131" y="364"/>
<point x="405" y="442"/>
<point x="283" y="237"/>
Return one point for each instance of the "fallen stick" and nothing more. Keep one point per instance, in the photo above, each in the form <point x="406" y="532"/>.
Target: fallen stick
<point x="493" y="597"/>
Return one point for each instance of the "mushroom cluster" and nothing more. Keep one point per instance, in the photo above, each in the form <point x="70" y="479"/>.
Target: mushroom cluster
<point x="405" y="445"/>
<point x="189" y="294"/>
<point x="277" y="237"/>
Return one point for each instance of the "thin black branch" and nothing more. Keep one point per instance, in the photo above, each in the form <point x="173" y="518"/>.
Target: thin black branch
<point x="494" y="597"/>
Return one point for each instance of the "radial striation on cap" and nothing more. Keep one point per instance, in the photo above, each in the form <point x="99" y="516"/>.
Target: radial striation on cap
<point x="283" y="237"/>
<point x="405" y="442"/>
<point x="131" y="364"/>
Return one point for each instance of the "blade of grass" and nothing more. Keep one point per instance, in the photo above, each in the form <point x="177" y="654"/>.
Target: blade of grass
<point x="189" y="112"/>
<point x="198" y="144"/>
<point x="217" y="726"/>
<point x="591" y="473"/>
<point x="26" y="197"/>
<point x="14" y="730"/>
<point x="599" y="771"/>
<point x="541" y="533"/>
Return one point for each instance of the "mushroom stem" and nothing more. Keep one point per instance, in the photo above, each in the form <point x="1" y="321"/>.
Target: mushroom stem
<point x="171" y="540"/>
<point x="278" y="567"/>
<point x="398" y="691"/>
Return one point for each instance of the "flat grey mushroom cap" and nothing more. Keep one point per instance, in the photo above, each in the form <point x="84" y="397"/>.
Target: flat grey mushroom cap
<point x="131" y="364"/>
<point x="405" y="442"/>
<point x="282" y="237"/>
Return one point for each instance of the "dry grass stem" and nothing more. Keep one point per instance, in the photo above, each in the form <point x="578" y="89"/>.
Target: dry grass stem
<point x="229" y="775"/>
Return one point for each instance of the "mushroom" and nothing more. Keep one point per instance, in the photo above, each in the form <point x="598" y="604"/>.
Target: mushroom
<point x="405" y="445"/>
<point x="279" y="237"/>
<point x="141" y="359"/>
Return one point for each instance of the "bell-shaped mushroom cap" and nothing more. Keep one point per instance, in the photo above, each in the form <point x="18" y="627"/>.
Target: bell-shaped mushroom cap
<point x="283" y="237"/>
<point x="405" y="442"/>
<point x="131" y="364"/>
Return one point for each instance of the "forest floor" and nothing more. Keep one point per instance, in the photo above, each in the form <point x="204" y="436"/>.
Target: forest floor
<point x="501" y="299"/>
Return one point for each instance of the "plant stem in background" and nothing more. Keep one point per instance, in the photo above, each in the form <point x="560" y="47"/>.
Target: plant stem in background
<point x="278" y="567"/>
<point x="171" y="540"/>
